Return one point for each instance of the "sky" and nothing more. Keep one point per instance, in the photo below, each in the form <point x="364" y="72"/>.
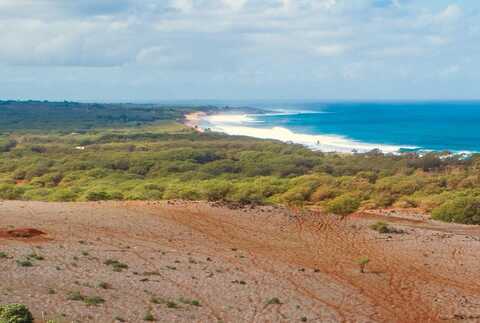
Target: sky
<point x="155" y="50"/>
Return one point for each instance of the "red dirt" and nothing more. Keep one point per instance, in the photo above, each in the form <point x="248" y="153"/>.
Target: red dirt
<point x="234" y="261"/>
<point x="22" y="233"/>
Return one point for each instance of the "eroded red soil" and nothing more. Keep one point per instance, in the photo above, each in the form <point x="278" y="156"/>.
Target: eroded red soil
<point x="260" y="265"/>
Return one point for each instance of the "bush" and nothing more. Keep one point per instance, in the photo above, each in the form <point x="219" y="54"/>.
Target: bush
<point x="185" y="192"/>
<point x="459" y="210"/>
<point x="10" y="192"/>
<point x="97" y="196"/>
<point x="216" y="190"/>
<point x="384" y="200"/>
<point x="382" y="227"/>
<point x="323" y="193"/>
<point x="15" y="313"/>
<point x="101" y="195"/>
<point x="6" y="146"/>
<point x="343" y="205"/>
<point x="247" y="193"/>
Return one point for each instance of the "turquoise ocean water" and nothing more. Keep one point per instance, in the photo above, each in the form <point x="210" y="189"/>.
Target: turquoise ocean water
<point x="453" y="126"/>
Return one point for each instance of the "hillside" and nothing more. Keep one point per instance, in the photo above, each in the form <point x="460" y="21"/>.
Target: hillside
<point x="184" y="262"/>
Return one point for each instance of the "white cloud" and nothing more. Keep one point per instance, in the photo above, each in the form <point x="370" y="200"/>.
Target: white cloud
<point x="450" y="13"/>
<point x="183" y="5"/>
<point x="232" y="39"/>
<point x="438" y="40"/>
<point x="235" y="4"/>
<point x="330" y="50"/>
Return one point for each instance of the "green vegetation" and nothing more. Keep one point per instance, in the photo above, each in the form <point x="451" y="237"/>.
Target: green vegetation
<point x="93" y="300"/>
<point x="274" y="301"/>
<point x="382" y="227"/>
<point x="343" y="205"/>
<point x="35" y="256"/>
<point x="116" y="265"/>
<point x="88" y="300"/>
<point x="93" y="152"/>
<point x="15" y="313"/>
<point x="362" y="263"/>
<point x="171" y="304"/>
<point x="462" y="209"/>
<point x="187" y="301"/>
<point x="73" y="116"/>
<point x="24" y="263"/>
<point x="149" y="316"/>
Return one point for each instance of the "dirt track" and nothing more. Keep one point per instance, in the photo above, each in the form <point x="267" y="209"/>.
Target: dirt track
<point x="262" y="265"/>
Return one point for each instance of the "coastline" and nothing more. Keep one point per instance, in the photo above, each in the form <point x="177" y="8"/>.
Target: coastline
<point x="193" y="119"/>
<point x="240" y="123"/>
<point x="243" y="122"/>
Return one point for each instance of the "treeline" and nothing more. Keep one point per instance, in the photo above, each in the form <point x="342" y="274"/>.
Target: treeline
<point x="74" y="116"/>
<point x="169" y="161"/>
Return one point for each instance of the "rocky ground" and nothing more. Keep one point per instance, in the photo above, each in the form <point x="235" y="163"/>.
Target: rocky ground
<point x="196" y="262"/>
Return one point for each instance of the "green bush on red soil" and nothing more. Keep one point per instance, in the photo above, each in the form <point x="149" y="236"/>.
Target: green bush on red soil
<point x="343" y="205"/>
<point x="15" y="313"/>
<point x="459" y="210"/>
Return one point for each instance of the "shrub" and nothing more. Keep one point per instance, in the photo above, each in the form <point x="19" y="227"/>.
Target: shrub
<point x="460" y="210"/>
<point x="247" y="193"/>
<point x="274" y="301"/>
<point x="149" y="317"/>
<point x="405" y="203"/>
<point x="216" y="190"/>
<point x="10" y="192"/>
<point x="24" y="263"/>
<point x="343" y="205"/>
<point x="63" y="195"/>
<point x="184" y="192"/>
<point x="103" y="196"/>
<point x="6" y="146"/>
<point x="116" y="265"/>
<point x="384" y="200"/>
<point x="15" y="313"/>
<point x="323" y="193"/>
<point x="97" y="196"/>
<point x="382" y="227"/>
<point x="93" y="300"/>
<point x="362" y="263"/>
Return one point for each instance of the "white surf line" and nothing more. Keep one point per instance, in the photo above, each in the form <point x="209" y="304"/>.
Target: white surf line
<point x="233" y="124"/>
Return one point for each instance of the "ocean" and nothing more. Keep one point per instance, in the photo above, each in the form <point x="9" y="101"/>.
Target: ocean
<point x="360" y="126"/>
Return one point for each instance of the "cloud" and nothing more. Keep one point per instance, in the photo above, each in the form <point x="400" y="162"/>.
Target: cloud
<point x="239" y="41"/>
<point x="330" y="50"/>
<point x="450" y="13"/>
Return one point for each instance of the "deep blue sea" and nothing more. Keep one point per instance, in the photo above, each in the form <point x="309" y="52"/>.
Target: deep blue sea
<point x="453" y="126"/>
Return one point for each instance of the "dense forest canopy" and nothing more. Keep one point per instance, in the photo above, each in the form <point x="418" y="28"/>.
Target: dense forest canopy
<point x="43" y="158"/>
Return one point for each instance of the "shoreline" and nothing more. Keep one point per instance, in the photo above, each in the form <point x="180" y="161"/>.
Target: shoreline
<point x="234" y="124"/>
<point x="193" y="119"/>
<point x="238" y="123"/>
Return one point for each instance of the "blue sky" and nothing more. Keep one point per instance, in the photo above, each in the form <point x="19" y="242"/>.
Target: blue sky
<point x="131" y="50"/>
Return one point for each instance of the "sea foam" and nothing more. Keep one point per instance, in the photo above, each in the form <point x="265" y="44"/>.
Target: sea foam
<point x="243" y="125"/>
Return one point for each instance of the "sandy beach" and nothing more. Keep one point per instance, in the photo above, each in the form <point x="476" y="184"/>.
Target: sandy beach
<point x="193" y="119"/>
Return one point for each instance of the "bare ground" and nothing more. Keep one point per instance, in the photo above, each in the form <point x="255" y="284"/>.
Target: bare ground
<point x="193" y="262"/>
